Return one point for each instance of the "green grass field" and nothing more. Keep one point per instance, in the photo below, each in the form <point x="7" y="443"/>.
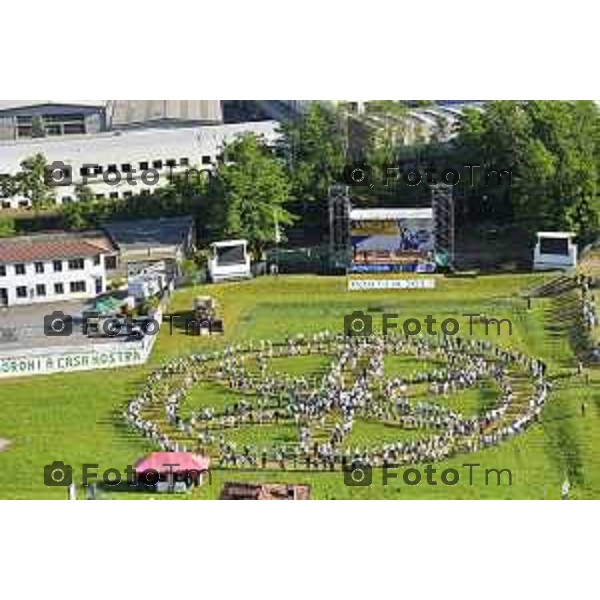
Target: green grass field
<point x="75" y="417"/>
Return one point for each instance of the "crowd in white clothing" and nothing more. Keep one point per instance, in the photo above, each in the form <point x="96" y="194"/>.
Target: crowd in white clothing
<point x="324" y="408"/>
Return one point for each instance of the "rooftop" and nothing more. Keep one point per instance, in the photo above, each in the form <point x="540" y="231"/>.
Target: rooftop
<point x="53" y="246"/>
<point x="131" y="145"/>
<point x="237" y="490"/>
<point x="149" y="232"/>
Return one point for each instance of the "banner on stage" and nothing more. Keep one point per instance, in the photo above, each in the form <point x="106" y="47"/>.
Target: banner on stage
<point x="392" y="240"/>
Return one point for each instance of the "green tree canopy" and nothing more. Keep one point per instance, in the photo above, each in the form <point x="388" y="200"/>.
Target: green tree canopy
<point x="552" y="148"/>
<point x="30" y="182"/>
<point x="255" y="188"/>
<point x="313" y="145"/>
<point x="7" y="227"/>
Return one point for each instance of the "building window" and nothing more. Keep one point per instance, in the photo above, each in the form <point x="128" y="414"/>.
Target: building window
<point x="110" y="263"/>
<point x="40" y="289"/>
<point x="99" y="196"/>
<point x="127" y="194"/>
<point x="84" y="172"/>
<point x="57" y="265"/>
<point x="97" y="170"/>
<point x="39" y="267"/>
<point x="111" y="169"/>
<point x="5" y="204"/>
<point x="206" y="160"/>
<point x="67" y="199"/>
<point x="59" y="288"/>
<point x="2" y="271"/>
<point x="157" y="164"/>
<point x="184" y="162"/>
<point x="72" y="128"/>
<point x="77" y="286"/>
<point x="171" y="162"/>
<point x="20" y="269"/>
<point x="144" y="166"/>
<point x="114" y="195"/>
<point x="97" y="260"/>
<point x="22" y="291"/>
<point x="126" y="168"/>
<point x="76" y="264"/>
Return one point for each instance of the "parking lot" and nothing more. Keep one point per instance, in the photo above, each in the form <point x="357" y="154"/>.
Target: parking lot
<point x="22" y="327"/>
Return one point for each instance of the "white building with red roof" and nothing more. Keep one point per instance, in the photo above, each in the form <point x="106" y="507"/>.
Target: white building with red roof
<point x="53" y="267"/>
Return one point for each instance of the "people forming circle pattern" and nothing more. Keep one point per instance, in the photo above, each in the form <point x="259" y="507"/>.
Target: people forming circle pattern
<point x="325" y="408"/>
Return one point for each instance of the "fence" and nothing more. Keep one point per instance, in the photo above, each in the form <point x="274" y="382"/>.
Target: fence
<point x="317" y="260"/>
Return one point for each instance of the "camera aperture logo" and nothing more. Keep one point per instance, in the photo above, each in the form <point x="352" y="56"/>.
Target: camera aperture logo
<point x="58" y="324"/>
<point x="58" y="174"/>
<point x="57" y="474"/>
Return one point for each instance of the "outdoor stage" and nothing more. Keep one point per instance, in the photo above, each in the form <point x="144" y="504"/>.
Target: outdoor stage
<point x="391" y="239"/>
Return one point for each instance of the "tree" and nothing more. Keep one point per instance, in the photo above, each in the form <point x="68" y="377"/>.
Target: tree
<point x="74" y="216"/>
<point x="31" y="183"/>
<point x="84" y="194"/>
<point x="38" y="128"/>
<point x="189" y="270"/>
<point x="313" y="145"/>
<point x="552" y="148"/>
<point x="9" y="186"/>
<point x="387" y="107"/>
<point x="85" y="212"/>
<point x="255" y="189"/>
<point x="7" y="227"/>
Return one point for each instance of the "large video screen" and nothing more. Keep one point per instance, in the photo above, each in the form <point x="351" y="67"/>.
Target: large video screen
<point x="393" y="245"/>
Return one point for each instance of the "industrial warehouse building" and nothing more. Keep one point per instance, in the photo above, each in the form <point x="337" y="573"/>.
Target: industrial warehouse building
<point x="23" y="119"/>
<point x="118" y="148"/>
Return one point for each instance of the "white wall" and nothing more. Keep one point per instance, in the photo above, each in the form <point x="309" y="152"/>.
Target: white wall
<point x="49" y="277"/>
<point x="61" y="359"/>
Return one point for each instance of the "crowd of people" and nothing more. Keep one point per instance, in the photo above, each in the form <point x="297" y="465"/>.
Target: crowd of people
<point x="324" y="408"/>
<point x="588" y="303"/>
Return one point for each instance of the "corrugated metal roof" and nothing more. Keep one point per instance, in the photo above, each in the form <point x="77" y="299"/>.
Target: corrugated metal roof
<point x="14" y="104"/>
<point x="122" y="113"/>
<point x="144" y="233"/>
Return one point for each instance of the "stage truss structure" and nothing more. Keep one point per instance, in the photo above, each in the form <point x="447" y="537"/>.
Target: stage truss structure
<point x="442" y="204"/>
<point x="340" y="251"/>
